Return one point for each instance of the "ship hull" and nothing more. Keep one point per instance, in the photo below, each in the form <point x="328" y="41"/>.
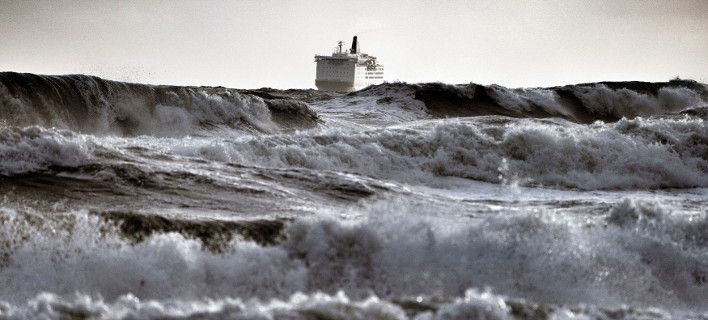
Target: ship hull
<point x="339" y="86"/>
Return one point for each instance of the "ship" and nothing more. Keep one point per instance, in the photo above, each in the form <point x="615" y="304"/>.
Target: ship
<point x="347" y="70"/>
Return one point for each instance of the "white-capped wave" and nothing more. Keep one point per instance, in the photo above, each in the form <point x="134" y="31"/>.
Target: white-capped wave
<point x="473" y="305"/>
<point x="530" y="100"/>
<point x="32" y="149"/>
<point x="603" y="100"/>
<point x="629" y="154"/>
<point x="93" y="105"/>
<point x="392" y="253"/>
<point x="180" y="112"/>
<point x="392" y="102"/>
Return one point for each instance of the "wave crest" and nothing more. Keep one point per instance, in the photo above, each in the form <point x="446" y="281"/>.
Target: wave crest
<point x="585" y="103"/>
<point x="94" y="105"/>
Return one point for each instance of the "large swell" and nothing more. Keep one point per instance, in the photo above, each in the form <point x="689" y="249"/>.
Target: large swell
<point x="93" y="105"/>
<point x="607" y="101"/>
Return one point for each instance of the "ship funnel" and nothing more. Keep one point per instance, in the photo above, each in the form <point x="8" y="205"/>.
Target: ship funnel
<point x="355" y="46"/>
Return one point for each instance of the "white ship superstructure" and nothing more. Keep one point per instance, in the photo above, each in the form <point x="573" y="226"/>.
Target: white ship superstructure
<point x="347" y="71"/>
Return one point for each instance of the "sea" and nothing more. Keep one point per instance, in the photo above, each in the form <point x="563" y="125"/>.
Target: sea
<point x="399" y="201"/>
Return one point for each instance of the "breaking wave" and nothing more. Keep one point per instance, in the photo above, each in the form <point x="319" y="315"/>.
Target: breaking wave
<point x="473" y="305"/>
<point x="33" y="149"/>
<point x="90" y="104"/>
<point x="585" y="103"/>
<point x="623" y="257"/>
<point x="629" y="154"/>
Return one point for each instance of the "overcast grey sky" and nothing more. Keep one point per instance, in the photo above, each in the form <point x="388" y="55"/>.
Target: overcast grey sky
<point x="249" y="44"/>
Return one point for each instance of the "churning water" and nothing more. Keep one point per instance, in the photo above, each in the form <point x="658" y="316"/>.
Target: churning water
<point x="400" y="201"/>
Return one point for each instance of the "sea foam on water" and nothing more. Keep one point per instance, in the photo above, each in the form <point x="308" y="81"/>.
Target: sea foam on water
<point x="399" y="201"/>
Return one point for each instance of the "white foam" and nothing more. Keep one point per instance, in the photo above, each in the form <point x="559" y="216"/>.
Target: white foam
<point x="629" y="154"/>
<point x="116" y="108"/>
<point x="624" y="102"/>
<point x="396" y="102"/>
<point x="473" y="305"/>
<point x="32" y="149"/>
<point x="394" y="250"/>
<point x="204" y="111"/>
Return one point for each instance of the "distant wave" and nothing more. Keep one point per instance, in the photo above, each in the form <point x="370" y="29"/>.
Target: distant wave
<point x="608" y="101"/>
<point x="90" y="104"/>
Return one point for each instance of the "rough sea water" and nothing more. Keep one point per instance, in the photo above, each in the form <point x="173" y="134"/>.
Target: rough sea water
<point x="400" y="201"/>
